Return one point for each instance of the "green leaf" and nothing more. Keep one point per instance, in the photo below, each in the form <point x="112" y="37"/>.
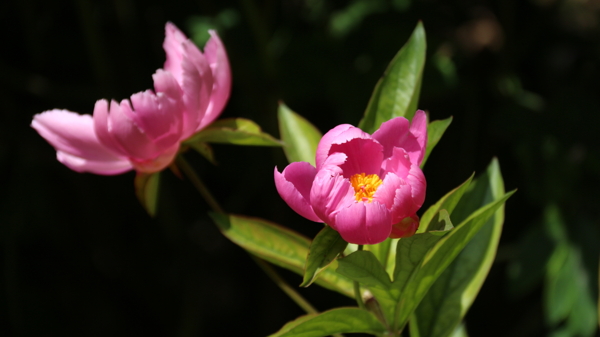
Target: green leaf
<point x="409" y="256"/>
<point x="362" y="266"/>
<point x="397" y="92"/>
<point x="205" y="150"/>
<point x="146" y="190"/>
<point x="278" y="245"/>
<point x="448" y="300"/>
<point x="447" y="202"/>
<point x="435" y="131"/>
<point x="299" y="136"/>
<point x="365" y="268"/>
<point x="442" y="224"/>
<point x="339" y="320"/>
<point x="325" y="247"/>
<point x="435" y="261"/>
<point x="237" y="131"/>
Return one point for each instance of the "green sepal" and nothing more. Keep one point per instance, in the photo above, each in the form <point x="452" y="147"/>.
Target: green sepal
<point x="146" y="190"/>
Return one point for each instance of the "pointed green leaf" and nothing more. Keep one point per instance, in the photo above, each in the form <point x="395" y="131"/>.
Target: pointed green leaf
<point x="278" y="245"/>
<point x="362" y="266"/>
<point x="442" y="224"/>
<point x="439" y="257"/>
<point x="409" y="257"/>
<point x="448" y="300"/>
<point x="365" y="268"/>
<point x="325" y="247"/>
<point x="237" y="131"/>
<point x="146" y="190"/>
<point x="339" y="320"/>
<point x="299" y="136"/>
<point x="447" y="202"/>
<point x="397" y="92"/>
<point x="435" y="131"/>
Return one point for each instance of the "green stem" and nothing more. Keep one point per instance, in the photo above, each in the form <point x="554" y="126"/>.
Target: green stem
<point x="357" y="292"/>
<point x="198" y="184"/>
<point x="212" y="202"/>
<point x="291" y="292"/>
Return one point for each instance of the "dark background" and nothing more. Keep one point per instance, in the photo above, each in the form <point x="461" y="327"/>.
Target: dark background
<point x="80" y="257"/>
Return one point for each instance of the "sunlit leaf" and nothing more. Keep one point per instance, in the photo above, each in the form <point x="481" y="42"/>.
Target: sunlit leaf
<point x="339" y="320"/>
<point x="397" y="92"/>
<point x="448" y="300"/>
<point x="435" y="131"/>
<point x="435" y="261"/>
<point x="447" y="202"/>
<point x="299" y="136"/>
<point x="237" y="131"/>
<point x="146" y="190"/>
<point x="280" y="246"/>
<point x="363" y="266"/>
<point x="325" y="247"/>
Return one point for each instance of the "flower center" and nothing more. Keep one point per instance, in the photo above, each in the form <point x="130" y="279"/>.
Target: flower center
<point x="365" y="186"/>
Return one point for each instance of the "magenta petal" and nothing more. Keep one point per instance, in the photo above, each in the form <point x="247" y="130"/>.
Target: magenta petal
<point x="397" y="133"/>
<point x="364" y="223"/>
<point x="166" y="83"/>
<point x="158" y="163"/>
<point x="416" y="179"/>
<point x="340" y="134"/>
<point x="392" y="133"/>
<point x="364" y="156"/>
<point x="418" y="128"/>
<point x="399" y="163"/>
<point x="215" y="53"/>
<point x="73" y="136"/>
<point x="294" y="185"/>
<point x="330" y="191"/>
<point x="159" y="116"/>
<point x="101" y="127"/>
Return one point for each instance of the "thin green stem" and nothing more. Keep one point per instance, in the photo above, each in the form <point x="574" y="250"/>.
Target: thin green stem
<point x="198" y="184"/>
<point x="357" y="292"/>
<point x="272" y="273"/>
<point x="291" y="292"/>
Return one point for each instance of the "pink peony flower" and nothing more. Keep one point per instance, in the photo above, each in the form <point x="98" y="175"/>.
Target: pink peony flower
<point x="366" y="187"/>
<point x="144" y="133"/>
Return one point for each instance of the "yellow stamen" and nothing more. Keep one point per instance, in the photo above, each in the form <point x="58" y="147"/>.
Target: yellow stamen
<point x="365" y="186"/>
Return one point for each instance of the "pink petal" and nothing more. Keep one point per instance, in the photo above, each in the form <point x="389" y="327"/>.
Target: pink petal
<point x="127" y="134"/>
<point x="418" y="127"/>
<point x="159" y="116"/>
<point x="363" y="156"/>
<point x="158" y="163"/>
<point x="294" y="185"/>
<point x="399" y="163"/>
<point x="396" y="133"/>
<point x="340" y="134"/>
<point x="330" y="191"/>
<point x="166" y="83"/>
<point x="101" y="127"/>
<point x="418" y="184"/>
<point x="364" y="223"/>
<point x="73" y="136"/>
<point x="197" y="83"/>
<point x="395" y="194"/>
<point x="174" y="50"/>
<point x="215" y="53"/>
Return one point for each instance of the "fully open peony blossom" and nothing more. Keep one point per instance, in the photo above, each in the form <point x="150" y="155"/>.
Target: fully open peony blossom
<point x="366" y="187"/>
<point x="144" y="133"/>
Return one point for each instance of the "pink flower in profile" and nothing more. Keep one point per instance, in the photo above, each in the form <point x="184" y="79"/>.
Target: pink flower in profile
<point x="144" y="132"/>
<point x="366" y="187"/>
